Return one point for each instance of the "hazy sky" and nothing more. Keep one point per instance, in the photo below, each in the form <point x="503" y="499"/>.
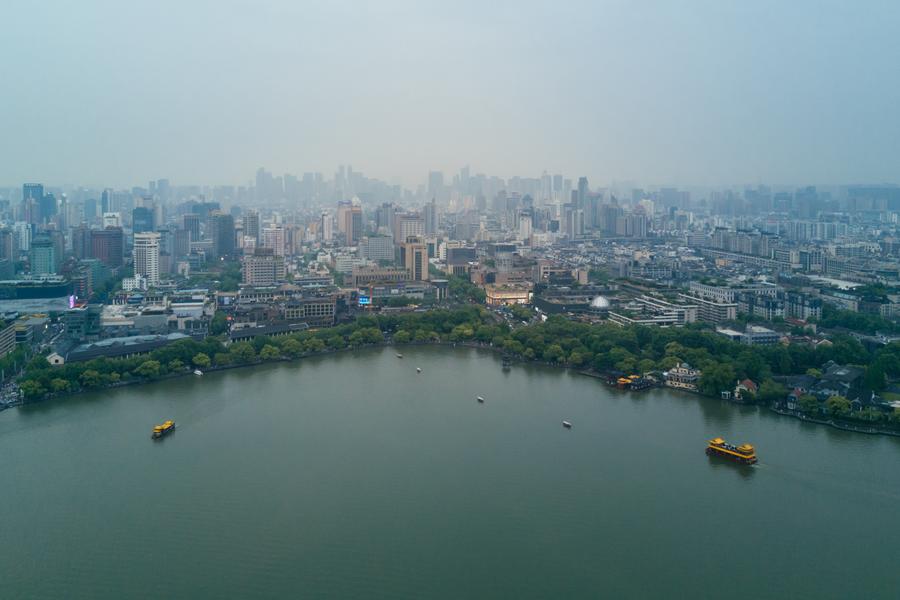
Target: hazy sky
<point x="118" y="92"/>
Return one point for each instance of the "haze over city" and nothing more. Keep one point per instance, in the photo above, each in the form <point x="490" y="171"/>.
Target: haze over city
<point x="701" y="93"/>
<point x="450" y="300"/>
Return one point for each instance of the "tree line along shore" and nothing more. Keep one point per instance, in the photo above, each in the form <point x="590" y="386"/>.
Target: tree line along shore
<point x="599" y="348"/>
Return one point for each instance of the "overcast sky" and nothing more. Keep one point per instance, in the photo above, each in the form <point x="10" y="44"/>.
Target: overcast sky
<point x="683" y="92"/>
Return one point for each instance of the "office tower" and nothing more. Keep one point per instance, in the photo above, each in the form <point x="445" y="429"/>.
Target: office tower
<point x="47" y="208"/>
<point x="81" y="242"/>
<point x="24" y="232"/>
<point x="414" y="258"/>
<point x="251" y="225"/>
<point x="191" y="224"/>
<point x="430" y="214"/>
<point x="273" y="239"/>
<point x="42" y="256"/>
<point x="32" y="195"/>
<point x="107" y="245"/>
<point x="146" y="257"/>
<point x="377" y="248"/>
<point x="326" y="226"/>
<point x="408" y="225"/>
<point x="262" y="268"/>
<point x="581" y="197"/>
<point x="435" y="184"/>
<point x="181" y="242"/>
<point x="384" y="216"/>
<point x="142" y="219"/>
<point x="350" y="221"/>
<point x="107" y="202"/>
<point x="9" y="245"/>
<point x="222" y="234"/>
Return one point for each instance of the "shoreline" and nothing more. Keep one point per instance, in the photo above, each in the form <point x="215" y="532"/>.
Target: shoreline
<point x="849" y="427"/>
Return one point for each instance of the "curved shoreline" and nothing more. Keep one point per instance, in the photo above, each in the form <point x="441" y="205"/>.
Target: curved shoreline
<point x="475" y="345"/>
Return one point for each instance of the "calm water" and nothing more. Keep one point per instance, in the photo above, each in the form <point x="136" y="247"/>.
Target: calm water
<point x="351" y="476"/>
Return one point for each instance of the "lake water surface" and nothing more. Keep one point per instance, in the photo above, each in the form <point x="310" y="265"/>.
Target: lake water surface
<point x="352" y="476"/>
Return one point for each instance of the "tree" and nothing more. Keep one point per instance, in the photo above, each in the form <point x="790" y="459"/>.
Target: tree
<point x="32" y="390"/>
<point x="149" y="369"/>
<point x="91" y="378"/>
<point x="717" y="378"/>
<point x="222" y="359"/>
<point x="201" y="360"/>
<point x="838" y="406"/>
<point x="176" y="364"/>
<point x="219" y="324"/>
<point x="402" y="337"/>
<point x="813" y="372"/>
<point x="269" y="352"/>
<point x="242" y="353"/>
<point x="771" y="392"/>
<point x="809" y="404"/>
<point x="554" y="353"/>
<point x="875" y="377"/>
<point x="58" y="385"/>
<point x="292" y="347"/>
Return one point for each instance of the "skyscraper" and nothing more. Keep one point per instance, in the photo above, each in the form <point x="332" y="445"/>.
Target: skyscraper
<point x="107" y="246"/>
<point x="142" y="219"/>
<point x="414" y="257"/>
<point x="431" y="220"/>
<point x="43" y="255"/>
<point x="146" y="257"/>
<point x="222" y="234"/>
<point x="251" y="225"/>
<point x="32" y="195"/>
<point x="191" y="224"/>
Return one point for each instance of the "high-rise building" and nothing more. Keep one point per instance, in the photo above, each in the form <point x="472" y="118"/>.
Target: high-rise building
<point x="222" y="234"/>
<point x="379" y="247"/>
<point x="181" y="242"/>
<point x="262" y="268"/>
<point x="414" y="258"/>
<point x="146" y="257"/>
<point x="327" y="227"/>
<point x="107" y="245"/>
<point x="32" y="195"/>
<point x="47" y="208"/>
<point x="408" y="225"/>
<point x="43" y="255"/>
<point x="350" y="221"/>
<point x="142" y="219"/>
<point x="435" y="184"/>
<point x="273" y="239"/>
<point x="191" y="224"/>
<point x="251" y="225"/>
<point x="581" y="198"/>
<point x="430" y="217"/>
<point x="107" y="202"/>
<point x="81" y="242"/>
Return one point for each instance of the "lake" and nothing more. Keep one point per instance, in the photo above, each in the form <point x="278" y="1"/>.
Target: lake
<point x="352" y="476"/>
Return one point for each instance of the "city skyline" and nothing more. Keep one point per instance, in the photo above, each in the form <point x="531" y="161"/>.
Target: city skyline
<point x="713" y="94"/>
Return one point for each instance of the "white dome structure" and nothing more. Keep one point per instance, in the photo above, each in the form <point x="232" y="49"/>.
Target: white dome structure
<point x="599" y="303"/>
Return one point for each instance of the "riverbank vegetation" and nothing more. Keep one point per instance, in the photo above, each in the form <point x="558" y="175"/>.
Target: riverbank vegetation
<point x="600" y="348"/>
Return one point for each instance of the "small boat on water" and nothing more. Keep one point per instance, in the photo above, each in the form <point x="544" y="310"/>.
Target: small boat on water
<point x="567" y="425"/>
<point x="480" y="399"/>
<point x="418" y="370"/>
<point x="198" y="372"/>
<point x="165" y="429"/>
<point x="399" y="356"/>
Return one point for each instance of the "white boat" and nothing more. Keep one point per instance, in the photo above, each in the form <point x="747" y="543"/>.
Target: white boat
<point x="567" y="425"/>
<point x="480" y="399"/>
<point x="418" y="370"/>
<point x="399" y="356"/>
<point x="198" y="372"/>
